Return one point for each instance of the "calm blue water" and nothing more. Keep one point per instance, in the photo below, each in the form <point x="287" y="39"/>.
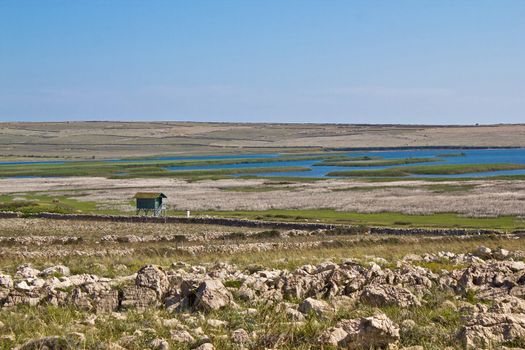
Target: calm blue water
<point x="231" y="156"/>
<point x="516" y="156"/>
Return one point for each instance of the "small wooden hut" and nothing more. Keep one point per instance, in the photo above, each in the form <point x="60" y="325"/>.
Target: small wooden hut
<point x="150" y="202"/>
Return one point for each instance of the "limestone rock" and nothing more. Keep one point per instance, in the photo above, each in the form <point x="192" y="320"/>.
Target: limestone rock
<point x="153" y="277"/>
<point x="26" y="271"/>
<point x="334" y="336"/>
<point x="56" y="270"/>
<point x="320" y="307"/>
<point x="139" y="297"/>
<point x="375" y="331"/>
<point x="205" y="346"/>
<point x="159" y="344"/>
<point x="212" y="295"/>
<point x="6" y="281"/>
<point x="367" y="333"/>
<point x="484" y="330"/>
<point x="89" y="297"/>
<point x="240" y="336"/>
<point x="384" y="295"/>
<point x="181" y="336"/>
<point x="493" y="274"/>
<point x="483" y="252"/>
<point x="501" y="254"/>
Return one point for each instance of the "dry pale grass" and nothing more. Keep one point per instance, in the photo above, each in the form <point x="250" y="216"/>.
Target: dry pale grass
<point x="119" y="139"/>
<point x="93" y="230"/>
<point x="480" y="198"/>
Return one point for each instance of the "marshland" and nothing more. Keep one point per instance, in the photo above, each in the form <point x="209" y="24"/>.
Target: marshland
<point x="256" y="175"/>
<point x="98" y="284"/>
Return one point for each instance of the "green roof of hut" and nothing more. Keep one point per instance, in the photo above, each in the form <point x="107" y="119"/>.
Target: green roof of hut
<point x="149" y="195"/>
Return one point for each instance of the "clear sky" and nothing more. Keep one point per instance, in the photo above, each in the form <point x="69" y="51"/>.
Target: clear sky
<point x="343" y="61"/>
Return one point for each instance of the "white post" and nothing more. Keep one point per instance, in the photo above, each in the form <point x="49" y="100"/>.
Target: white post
<point x="187" y="213"/>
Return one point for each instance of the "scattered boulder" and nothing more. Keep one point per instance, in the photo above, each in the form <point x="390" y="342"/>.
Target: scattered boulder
<point x="334" y="336"/>
<point x="320" y="307"/>
<point x="95" y="297"/>
<point x="501" y="254"/>
<point x="503" y="275"/>
<point x="240" y="336"/>
<point x="375" y="332"/>
<point x="205" y="346"/>
<point x="212" y="295"/>
<point x="139" y="298"/>
<point x="26" y="271"/>
<point x="60" y="270"/>
<point x="483" y="252"/>
<point x="179" y="336"/>
<point x="6" y="281"/>
<point x="385" y="295"/>
<point x="485" y="330"/>
<point x="160" y="344"/>
<point x="153" y="277"/>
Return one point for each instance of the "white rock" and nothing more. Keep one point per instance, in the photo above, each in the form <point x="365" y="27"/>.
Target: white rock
<point x="6" y="281"/>
<point x="181" y="336"/>
<point x="26" y="271"/>
<point x="56" y="270"/>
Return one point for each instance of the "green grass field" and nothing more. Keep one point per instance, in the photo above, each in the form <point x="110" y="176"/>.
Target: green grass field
<point x="128" y="170"/>
<point x="375" y="219"/>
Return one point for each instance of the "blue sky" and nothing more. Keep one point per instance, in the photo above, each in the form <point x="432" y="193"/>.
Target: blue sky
<point x="342" y="61"/>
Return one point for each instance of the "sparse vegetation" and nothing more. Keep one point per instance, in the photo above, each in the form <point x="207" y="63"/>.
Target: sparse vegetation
<point x="448" y="169"/>
<point x="434" y="326"/>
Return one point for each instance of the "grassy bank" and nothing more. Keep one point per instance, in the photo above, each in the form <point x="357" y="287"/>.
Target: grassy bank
<point x="126" y="170"/>
<point x="444" y="155"/>
<point x="448" y="169"/>
<point x="282" y="158"/>
<point x="377" y="162"/>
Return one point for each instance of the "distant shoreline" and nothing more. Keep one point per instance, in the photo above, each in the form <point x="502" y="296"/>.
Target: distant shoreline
<point x="167" y="122"/>
<point x="408" y="148"/>
<point x="117" y="140"/>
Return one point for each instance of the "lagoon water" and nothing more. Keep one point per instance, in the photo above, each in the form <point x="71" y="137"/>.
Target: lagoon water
<point x="474" y="156"/>
<point x="478" y="156"/>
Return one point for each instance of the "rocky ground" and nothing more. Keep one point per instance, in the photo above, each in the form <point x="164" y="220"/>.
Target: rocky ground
<point x="439" y="300"/>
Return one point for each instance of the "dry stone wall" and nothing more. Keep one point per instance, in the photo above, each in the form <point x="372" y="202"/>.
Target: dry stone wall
<point x="253" y="223"/>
